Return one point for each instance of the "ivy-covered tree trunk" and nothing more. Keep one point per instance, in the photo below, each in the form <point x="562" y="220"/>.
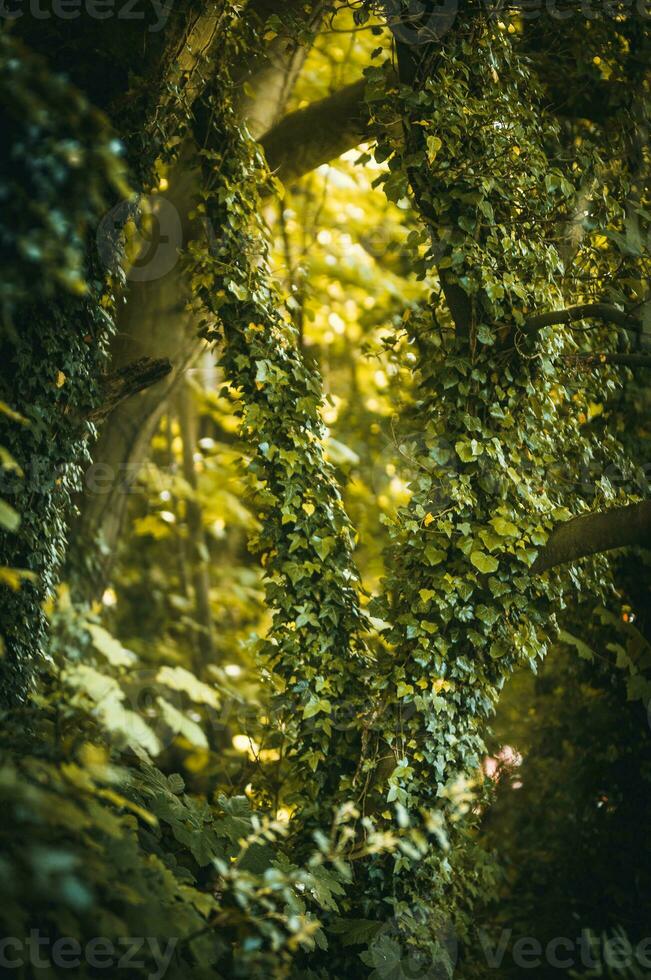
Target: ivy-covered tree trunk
<point x="55" y="353"/>
<point x="376" y="717"/>
<point x="314" y="657"/>
<point x="61" y="169"/>
<point x="154" y="319"/>
<point x="497" y="182"/>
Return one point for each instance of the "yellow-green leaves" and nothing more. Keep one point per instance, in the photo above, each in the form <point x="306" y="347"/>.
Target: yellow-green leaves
<point x="109" y="647"/>
<point x="180" y="724"/>
<point x="483" y="562"/>
<point x="14" y="577"/>
<point x="434" y="555"/>
<point x="468" y="449"/>
<point x="505" y="529"/>
<point x="315" y="706"/>
<point x="180" y="679"/>
<point x="9" y="517"/>
<point x="434" y="144"/>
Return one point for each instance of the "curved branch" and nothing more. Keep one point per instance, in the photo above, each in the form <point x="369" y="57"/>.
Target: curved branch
<point x="309" y="137"/>
<point x="586" y="311"/>
<point x="591" y="534"/>
<point x="128" y="381"/>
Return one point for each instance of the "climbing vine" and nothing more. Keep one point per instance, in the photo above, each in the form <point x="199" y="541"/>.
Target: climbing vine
<point x="63" y="171"/>
<point x="375" y="714"/>
<point x="497" y="409"/>
<point x="314" y="657"/>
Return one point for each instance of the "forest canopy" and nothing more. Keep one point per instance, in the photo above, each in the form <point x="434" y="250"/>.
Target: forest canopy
<point x="325" y="632"/>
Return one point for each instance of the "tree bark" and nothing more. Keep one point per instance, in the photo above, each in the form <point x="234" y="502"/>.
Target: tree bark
<point x="129" y="381"/>
<point x="197" y="547"/>
<point x="154" y="321"/>
<point x="591" y="534"/>
<point x="586" y="311"/>
<point x="309" y="137"/>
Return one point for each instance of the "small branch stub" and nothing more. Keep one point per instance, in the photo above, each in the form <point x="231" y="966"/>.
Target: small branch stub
<point x="128" y="381"/>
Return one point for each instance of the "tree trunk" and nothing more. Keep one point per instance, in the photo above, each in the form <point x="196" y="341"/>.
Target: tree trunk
<point x="197" y="546"/>
<point x="155" y="323"/>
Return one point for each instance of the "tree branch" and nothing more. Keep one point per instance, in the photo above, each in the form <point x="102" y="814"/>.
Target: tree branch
<point x="598" y="358"/>
<point x="586" y="311"/>
<point x="309" y="137"/>
<point x="128" y="381"/>
<point x="591" y="534"/>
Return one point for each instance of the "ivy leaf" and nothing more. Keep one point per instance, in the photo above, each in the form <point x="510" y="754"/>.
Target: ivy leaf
<point x="485" y="334"/>
<point x="490" y="540"/>
<point x="468" y="449"/>
<point x="314" y="706"/>
<point x="487" y="614"/>
<point x="261" y="371"/>
<point x="483" y="562"/>
<point x="323" y="546"/>
<point x="434" y="144"/>
<point x="434" y="555"/>
<point x="504" y="528"/>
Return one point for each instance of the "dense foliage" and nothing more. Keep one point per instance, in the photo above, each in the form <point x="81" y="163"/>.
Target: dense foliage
<point x="260" y="740"/>
<point x="62" y="172"/>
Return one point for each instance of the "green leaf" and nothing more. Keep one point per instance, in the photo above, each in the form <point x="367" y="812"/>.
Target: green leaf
<point x="468" y="449"/>
<point x="181" y="724"/>
<point x="434" y="144"/>
<point x="434" y="555"/>
<point x="487" y="614"/>
<point x="490" y="540"/>
<point x="323" y="546"/>
<point x="180" y="679"/>
<point x="355" y="932"/>
<point x="483" y="562"/>
<point x="504" y="528"/>
<point x="584" y="651"/>
<point x="109" y="647"/>
<point x="314" y="706"/>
